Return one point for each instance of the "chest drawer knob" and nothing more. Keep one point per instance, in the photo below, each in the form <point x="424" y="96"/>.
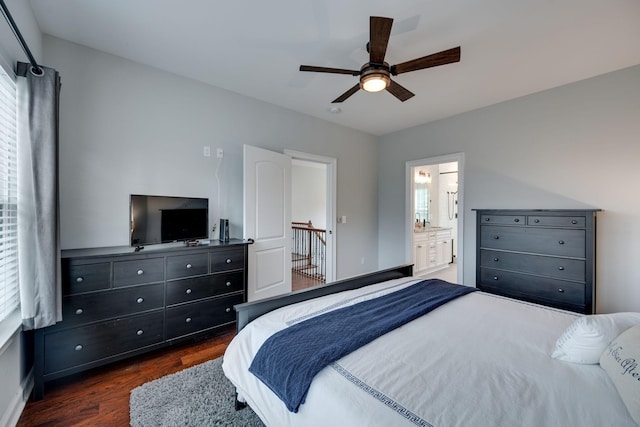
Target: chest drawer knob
<point x="561" y="290"/>
<point x="496" y="237"/>
<point x="496" y="259"/>
<point x="561" y="242"/>
<point x="140" y="300"/>
<point x="228" y="260"/>
<point x="574" y="222"/>
<point x="188" y="291"/>
<point x="188" y="320"/>
<point x="495" y="277"/>
<point x="561" y="268"/>
<point x="79" y="311"/>
<point x="140" y="272"/>
<point x="487" y="219"/>
<point x="79" y="279"/>
<point x="228" y="283"/>
<point x="228" y="309"/>
<point x="537" y="221"/>
<point x="79" y="347"/>
<point x="140" y="332"/>
<point x="188" y="266"/>
<point x="516" y="220"/>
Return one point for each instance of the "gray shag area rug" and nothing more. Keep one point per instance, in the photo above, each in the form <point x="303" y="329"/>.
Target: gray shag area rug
<point x="198" y="396"/>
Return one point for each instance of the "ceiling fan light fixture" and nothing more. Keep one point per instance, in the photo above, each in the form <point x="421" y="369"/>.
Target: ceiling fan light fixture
<point x="374" y="79"/>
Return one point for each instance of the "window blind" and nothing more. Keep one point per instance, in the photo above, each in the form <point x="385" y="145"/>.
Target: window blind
<point x="9" y="296"/>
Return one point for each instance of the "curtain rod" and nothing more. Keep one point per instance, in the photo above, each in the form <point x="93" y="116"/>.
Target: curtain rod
<point x="35" y="68"/>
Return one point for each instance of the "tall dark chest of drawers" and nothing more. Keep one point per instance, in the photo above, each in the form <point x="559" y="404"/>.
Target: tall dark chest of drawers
<point x="541" y="256"/>
<point x="118" y="303"/>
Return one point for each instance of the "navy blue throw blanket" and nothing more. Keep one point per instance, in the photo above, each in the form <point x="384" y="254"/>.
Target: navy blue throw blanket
<point x="289" y="359"/>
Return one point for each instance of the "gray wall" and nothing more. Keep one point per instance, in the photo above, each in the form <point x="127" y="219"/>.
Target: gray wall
<point x="127" y="128"/>
<point x="576" y="146"/>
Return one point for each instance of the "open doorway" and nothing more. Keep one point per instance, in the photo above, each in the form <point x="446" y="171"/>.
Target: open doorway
<point x="312" y="220"/>
<point x="434" y="217"/>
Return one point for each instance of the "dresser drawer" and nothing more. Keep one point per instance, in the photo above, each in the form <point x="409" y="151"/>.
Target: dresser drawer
<point x="78" y="278"/>
<point x="557" y="221"/>
<point x="74" y="347"/>
<point x="199" y="316"/>
<point x="179" y="291"/>
<point x="85" y="308"/>
<point x="550" y="241"/>
<point x="561" y="268"/>
<point x="503" y="219"/>
<point x="534" y="288"/>
<point x="187" y="265"/>
<point x="127" y="273"/>
<point x="231" y="259"/>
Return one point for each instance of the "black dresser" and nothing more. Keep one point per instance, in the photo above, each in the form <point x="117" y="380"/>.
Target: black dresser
<point x="118" y="303"/>
<point x="541" y="256"/>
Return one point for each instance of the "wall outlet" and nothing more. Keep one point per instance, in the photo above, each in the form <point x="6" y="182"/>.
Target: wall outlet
<point x="206" y="151"/>
<point x="220" y="153"/>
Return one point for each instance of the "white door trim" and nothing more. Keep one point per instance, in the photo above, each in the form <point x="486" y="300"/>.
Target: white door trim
<point x="332" y="168"/>
<point x="454" y="157"/>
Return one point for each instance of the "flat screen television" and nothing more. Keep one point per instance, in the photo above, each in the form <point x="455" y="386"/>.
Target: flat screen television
<point x="164" y="219"/>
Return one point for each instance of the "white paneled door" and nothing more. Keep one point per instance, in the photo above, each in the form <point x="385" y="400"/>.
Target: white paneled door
<point x="267" y="221"/>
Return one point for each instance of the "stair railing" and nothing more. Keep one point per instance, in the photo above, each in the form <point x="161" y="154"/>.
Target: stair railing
<point x="309" y="247"/>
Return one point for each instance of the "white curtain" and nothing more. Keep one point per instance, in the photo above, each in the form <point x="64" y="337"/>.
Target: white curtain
<point x="38" y="222"/>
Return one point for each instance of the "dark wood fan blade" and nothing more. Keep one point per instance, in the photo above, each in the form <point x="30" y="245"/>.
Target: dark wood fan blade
<point x="347" y="94"/>
<point x="399" y="91"/>
<point x="434" y="60"/>
<point x="329" y="70"/>
<point x="379" y="32"/>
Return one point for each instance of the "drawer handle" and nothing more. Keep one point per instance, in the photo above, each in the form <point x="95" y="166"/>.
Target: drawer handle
<point x="561" y="268"/>
<point x="140" y="272"/>
<point x="561" y="242"/>
<point x="496" y="237"/>
<point x="79" y="347"/>
<point x="496" y="259"/>
<point x="79" y="311"/>
<point x="561" y="290"/>
<point x="516" y="220"/>
<point x="228" y="260"/>
<point x="487" y="219"/>
<point x="536" y="220"/>
<point x="228" y="309"/>
<point x="188" y="320"/>
<point x="228" y="283"/>
<point x="79" y="279"/>
<point x="140" y="300"/>
<point x="188" y="266"/>
<point x="188" y="291"/>
<point x="495" y="277"/>
<point x="140" y="332"/>
<point x="574" y="222"/>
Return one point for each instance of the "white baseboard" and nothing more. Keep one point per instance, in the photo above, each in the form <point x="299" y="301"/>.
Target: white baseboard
<point x="12" y="415"/>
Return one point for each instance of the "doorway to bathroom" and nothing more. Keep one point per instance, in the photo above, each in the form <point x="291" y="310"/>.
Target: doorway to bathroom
<point x="434" y="217"/>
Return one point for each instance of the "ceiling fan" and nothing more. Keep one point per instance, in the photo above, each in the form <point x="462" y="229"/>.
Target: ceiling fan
<point x="376" y="74"/>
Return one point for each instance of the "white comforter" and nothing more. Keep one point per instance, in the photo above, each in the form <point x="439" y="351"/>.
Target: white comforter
<point x="480" y="360"/>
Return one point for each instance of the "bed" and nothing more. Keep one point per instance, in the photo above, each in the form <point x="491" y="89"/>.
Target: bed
<point x="480" y="359"/>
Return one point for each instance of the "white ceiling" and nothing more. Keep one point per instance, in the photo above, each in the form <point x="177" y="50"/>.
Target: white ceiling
<point x="510" y="48"/>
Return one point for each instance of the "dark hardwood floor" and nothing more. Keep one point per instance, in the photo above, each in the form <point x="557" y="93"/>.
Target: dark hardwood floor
<point x="300" y="281"/>
<point x="100" y="397"/>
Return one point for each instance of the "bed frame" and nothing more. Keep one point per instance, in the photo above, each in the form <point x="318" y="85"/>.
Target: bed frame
<point x="249" y="311"/>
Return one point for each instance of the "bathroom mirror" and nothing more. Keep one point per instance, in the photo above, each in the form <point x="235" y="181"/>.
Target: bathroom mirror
<point x="421" y="202"/>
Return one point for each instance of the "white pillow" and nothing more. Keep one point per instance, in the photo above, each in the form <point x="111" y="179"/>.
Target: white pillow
<point x="621" y="361"/>
<point x="588" y="336"/>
